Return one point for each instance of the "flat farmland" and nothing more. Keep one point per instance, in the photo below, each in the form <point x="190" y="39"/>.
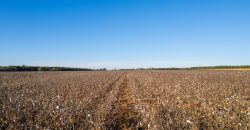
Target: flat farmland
<point x="125" y="100"/>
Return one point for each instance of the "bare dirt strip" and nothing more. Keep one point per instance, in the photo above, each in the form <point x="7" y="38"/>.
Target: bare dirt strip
<point x="119" y="108"/>
<point x="95" y="113"/>
<point x="124" y="115"/>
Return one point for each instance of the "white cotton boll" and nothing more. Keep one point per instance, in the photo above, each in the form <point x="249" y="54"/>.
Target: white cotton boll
<point x="57" y="107"/>
<point x="37" y="126"/>
<point x="189" y="122"/>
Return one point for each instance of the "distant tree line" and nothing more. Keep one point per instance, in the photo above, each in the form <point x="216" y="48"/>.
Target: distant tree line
<point x="204" y="67"/>
<point x="153" y="69"/>
<point x="40" y="68"/>
<point x="221" y="67"/>
<point x="168" y="68"/>
<point x="192" y="68"/>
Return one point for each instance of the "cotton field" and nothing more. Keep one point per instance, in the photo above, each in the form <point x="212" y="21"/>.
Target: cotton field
<point x="126" y="100"/>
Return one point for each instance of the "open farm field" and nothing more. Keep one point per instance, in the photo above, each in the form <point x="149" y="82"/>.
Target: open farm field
<point x="125" y="100"/>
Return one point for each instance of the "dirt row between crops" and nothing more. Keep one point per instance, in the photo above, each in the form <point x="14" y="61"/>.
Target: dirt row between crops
<point x="124" y="114"/>
<point x="117" y="107"/>
<point x="95" y="113"/>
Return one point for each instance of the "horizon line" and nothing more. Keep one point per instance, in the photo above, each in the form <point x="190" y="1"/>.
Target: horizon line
<point x="124" y="68"/>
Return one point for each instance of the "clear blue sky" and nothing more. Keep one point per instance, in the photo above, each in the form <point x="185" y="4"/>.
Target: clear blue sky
<point x="124" y="33"/>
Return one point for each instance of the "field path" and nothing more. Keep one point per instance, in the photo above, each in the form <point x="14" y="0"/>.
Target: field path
<point x="118" y="107"/>
<point x="95" y="113"/>
<point x="124" y="115"/>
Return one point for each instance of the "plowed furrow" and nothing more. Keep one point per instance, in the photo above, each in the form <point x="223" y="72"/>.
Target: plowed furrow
<point x="94" y="114"/>
<point x="124" y="115"/>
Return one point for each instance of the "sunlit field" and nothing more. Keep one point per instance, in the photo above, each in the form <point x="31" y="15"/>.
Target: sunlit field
<point x="150" y="100"/>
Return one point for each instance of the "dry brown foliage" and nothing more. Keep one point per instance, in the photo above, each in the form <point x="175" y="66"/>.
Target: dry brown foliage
<point x="154" y="100"/>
